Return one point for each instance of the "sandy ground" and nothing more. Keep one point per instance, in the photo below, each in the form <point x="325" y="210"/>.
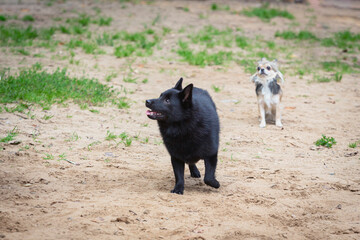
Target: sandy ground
<point x="275" y="183"/>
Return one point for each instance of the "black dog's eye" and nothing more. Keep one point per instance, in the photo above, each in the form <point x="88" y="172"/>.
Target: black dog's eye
<point x="258" y="68"/>
<point x="167" y="100"/>
<point x="268" y="68"/>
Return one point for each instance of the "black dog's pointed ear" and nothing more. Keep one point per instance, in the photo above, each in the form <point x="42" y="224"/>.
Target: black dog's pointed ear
<point x="186" y="95"/>
<point x="178" y="85"/>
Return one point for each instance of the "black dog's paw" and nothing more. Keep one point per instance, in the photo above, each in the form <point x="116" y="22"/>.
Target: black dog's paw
<point x="195" y="174"/>
<point x="177" y="191"/>
<point x="212" y="183"/>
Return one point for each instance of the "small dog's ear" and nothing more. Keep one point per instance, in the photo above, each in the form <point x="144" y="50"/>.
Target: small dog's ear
<point x="178" y="85"/>
<point x="253" y="78"/>
<point x="274" y="64"/>
<point x="279" y="75"/>
<point x="186" y="95"/>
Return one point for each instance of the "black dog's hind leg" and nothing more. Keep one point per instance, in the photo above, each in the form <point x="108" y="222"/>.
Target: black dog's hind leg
<point x="178" y="167"/>
<point x="210" y="167"/>
<point x="194" y="171"/>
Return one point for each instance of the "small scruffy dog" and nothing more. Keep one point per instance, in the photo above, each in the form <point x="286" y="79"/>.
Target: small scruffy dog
<point x="268" y="91"/>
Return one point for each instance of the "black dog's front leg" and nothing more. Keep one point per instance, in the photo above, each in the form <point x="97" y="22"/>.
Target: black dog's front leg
<point x="210" y="167"/>
<point x="178" y="167"/>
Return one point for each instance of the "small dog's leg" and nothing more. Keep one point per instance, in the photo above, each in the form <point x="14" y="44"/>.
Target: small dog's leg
<point x="278" y="116"/>
<point x="178" y="167"/>
<point x="194" y="171"/>
<point x="210" y="168"/>
<point x="262" y="116"/>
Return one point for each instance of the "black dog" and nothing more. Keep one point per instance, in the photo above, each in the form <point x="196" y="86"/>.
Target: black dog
<point x="189" y="126"/>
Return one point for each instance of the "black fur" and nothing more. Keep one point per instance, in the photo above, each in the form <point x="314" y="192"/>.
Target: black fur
<point x="273" y="85"/>
<point x="259" y="88"/>
<point x="189" y="126"/>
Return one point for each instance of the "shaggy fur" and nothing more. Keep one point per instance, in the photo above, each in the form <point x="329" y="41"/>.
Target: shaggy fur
<point x="189" y="126"/>
<point x="268" y="91"/>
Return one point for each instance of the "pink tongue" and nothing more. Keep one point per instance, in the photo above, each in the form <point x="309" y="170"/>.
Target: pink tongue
<point x="148" y="112"/>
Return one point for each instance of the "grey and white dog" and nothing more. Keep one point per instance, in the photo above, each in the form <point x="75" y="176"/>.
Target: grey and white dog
<point x="268" y="91"/>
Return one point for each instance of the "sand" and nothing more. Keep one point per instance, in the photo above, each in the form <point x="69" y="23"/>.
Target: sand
<point x="275" y="183"/>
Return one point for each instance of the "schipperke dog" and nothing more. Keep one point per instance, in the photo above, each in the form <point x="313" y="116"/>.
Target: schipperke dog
<point x="189" y="126"/>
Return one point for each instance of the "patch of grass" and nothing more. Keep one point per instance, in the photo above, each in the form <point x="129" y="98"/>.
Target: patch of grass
<point x="353" y="145"/>
<point x="129" y="79"/>
<point x="35" y="86"/>
<point x="110" y="76"/>
<point x="248" y="64"/>
<point x="10" y="136"/>
<point x="321" y="79"/>
<point x="83" y="19"/>
<point x="301" y="35"/>
<point x="21" y="51"/>
<point x="48" y="156"/>
<point x="211" y="36"/>
<point x="106" y="39"/>
<point x="94" y="111"/>
<point x="103" y="21"/>
<point x="266" y="14"/>
<point x="331" y="66"/>
<point x="166" y="31"/>
<point x="28" y="18"/>
<point x="3" y="18"/>
<point x="202" y="58"/>
<point x="139" y="43"/>
<point x="73" y="137"/>
<point x="90" y="47"/>
<point x="47" y="117"/>
<point x="20" y="36"/>
<point x="122" y="103"/>
<point x="216" y="88"/>
<point x="185" y="9"/>
<point x="241" y="42"/>
<point x="216" y="7"/>
<point x="344" y="40"/>
<point x="325" y="141"/>
<point x="110" y="136"/>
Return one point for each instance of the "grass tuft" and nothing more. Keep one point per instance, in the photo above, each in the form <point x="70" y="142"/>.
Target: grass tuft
<point x="325" y="141"/>
<point x="10" y="136"/>
<point x="266" y="14"/>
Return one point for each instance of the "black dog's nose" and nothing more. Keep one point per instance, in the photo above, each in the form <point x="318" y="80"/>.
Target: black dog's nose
<point x="148" y="103"/>
<point x="262" y="70"/>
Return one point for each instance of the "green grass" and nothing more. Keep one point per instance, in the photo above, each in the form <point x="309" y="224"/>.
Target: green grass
<point x="241" y="42"/>
<point x="331" y="66"/>
<point x="13" y="35"/>
<point x="103" y="21"/>
<point x="3" y="18"/>
<point x="124" y="138"/>
<point x="353" y="145"/>
<point x="248" y="64"/>
<point x="301" y="35"/>
<point x="48" y="156"/>
<point x="344" y="40"/>
<point x="10" y="136"/>
<point x="110" y="76"/>
<point x="139" y="43"/>
<point x="211" y="36"/>
<point x="216" y="88"/>
<point x="40" y="87"/>
<point x="216" y="7"/>
<point x="28" y="18"/>
<point x="266" y="14"/>
<point x="203" y="58"/>
<point x="325" y="141"/>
